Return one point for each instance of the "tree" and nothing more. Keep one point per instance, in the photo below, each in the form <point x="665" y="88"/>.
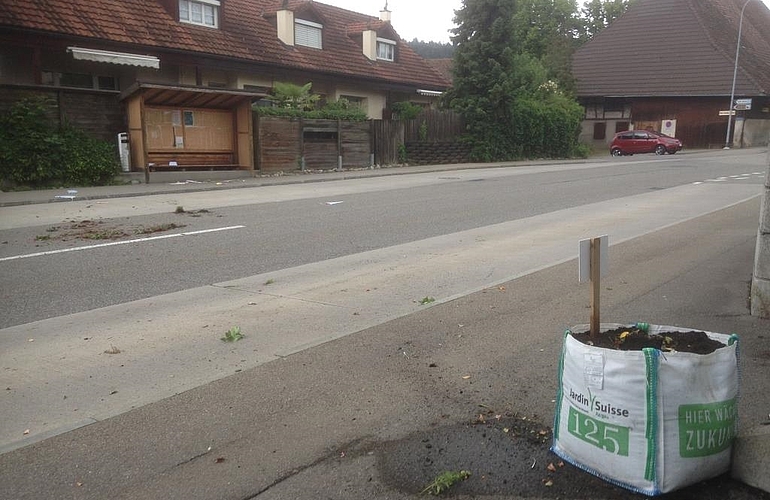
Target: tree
<point x="431" y="49"/>
<point x="598" y="14"/>
<point x="548" y="30"/>
<point x="509" y="98"/>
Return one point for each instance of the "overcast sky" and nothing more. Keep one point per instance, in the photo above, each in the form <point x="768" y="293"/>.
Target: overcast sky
<point x="421" y="19"/>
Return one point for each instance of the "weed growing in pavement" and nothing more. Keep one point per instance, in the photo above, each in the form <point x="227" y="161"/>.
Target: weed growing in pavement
<point x="427" y="300"/>
<point x="444" y="481"/>
<point x="269" y="282"/>
<point x="233" y="334"/>
<point x="179" y="210"/>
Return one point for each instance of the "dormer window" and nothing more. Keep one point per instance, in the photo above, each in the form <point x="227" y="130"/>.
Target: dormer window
<point x="386" y="49"/>
<point x="308" y="33"/>
<point x="200" y="12"/>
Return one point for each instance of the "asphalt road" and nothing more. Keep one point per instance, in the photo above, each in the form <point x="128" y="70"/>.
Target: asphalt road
<point x="272" y="228"/>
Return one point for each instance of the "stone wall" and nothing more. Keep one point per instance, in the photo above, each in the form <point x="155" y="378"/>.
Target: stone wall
<point x="437" y="153"/>
<point x="760" y="284"/>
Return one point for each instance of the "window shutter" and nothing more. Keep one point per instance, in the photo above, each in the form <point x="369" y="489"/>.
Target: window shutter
<point x="309" y="36"/>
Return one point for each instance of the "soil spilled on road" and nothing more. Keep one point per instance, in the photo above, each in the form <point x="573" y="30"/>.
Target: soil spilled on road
<point x="509" y="455"/>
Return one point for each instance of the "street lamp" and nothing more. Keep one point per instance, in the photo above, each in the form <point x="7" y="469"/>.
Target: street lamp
<point x="735" y="75"/>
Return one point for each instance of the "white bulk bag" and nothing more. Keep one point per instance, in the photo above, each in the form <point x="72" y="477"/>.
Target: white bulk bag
<point x="648" y="421"/>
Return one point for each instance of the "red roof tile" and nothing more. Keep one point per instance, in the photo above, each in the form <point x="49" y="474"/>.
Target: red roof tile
<point x="248" y="34"/>
<point x="678" y="48"/>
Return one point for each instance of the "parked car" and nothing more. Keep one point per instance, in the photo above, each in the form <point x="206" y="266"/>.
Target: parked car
<point x="643" y="141"/>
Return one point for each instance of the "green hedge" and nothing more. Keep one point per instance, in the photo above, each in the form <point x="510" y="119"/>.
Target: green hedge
<point x="531" y="128"/>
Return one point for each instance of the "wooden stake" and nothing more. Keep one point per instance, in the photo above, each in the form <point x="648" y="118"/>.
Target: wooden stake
<point x="596" y="252"/>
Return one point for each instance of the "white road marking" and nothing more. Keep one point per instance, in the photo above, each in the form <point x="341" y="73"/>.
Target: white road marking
<point x="114" y="243"/>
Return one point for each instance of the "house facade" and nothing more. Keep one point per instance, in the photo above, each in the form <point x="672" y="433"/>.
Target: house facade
<point x="180" y="76"/>
<point x="668" y="65"/>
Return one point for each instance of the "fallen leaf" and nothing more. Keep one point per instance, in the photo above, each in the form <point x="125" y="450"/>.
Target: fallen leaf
<point x="26" y="432"/>
<point x="551" y="468"/>
<point x="502" y="288"/>
<point x="78" y="484"/>
<point x="548" y="483"/>
<point x="219" y="460"/>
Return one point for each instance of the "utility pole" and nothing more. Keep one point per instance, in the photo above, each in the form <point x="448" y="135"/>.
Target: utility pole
<point x="735" y="77"/>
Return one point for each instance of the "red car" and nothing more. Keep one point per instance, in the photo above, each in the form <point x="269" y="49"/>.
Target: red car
<point x="643" y="141"/>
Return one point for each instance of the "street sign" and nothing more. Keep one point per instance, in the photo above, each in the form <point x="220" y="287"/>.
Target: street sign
<point x="742" y="104"/>
<point x="727" y="113"/>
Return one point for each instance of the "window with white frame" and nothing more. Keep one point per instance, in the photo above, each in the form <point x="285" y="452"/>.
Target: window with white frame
<point x="201" y="12"/>
<point x="308" y="34"/>
<point x="386" y="49"/>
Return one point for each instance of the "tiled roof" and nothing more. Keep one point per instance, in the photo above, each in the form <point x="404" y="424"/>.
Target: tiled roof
<point x="443" y="66"/>
<point x="248" y="34"/>
<point x="678" y="48"/>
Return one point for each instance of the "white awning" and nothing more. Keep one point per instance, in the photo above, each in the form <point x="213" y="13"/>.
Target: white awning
<point x="430" y="93"/>
<point x="107" y="56"/>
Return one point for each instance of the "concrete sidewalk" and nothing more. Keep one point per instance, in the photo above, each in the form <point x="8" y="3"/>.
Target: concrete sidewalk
<point x="133" y="185"/>
<point x="183" y="182"/>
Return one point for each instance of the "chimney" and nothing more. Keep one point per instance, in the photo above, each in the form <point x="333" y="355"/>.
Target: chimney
<point x="370" y="44"/>
<point x="285" y="25"/>
<point x="385" y="13"/>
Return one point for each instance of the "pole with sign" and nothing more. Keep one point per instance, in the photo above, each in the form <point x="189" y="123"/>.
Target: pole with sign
<point x="593" y="265"/>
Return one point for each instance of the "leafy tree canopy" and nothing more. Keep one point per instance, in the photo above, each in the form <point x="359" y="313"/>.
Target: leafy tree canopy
<point x="432" y="50"/>
<point x="598" y="14"/>
<point x="511" y="77"/>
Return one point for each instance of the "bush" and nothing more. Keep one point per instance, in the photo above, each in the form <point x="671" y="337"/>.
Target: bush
<point x="535" y="127"/>
<point x="35" y="153"/>
<point x="406" y="110"/>
<point x="333" y="110"/>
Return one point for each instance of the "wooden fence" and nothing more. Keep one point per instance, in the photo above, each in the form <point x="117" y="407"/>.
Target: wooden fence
<point x="284" y="144"/>
<point x="98" y="113"/>
<point x="432" y="126"/>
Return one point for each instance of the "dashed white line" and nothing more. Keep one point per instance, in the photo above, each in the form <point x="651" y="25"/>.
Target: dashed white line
<point x="115" y="243"/>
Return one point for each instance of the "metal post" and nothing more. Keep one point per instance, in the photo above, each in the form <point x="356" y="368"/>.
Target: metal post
<point x="735" y="76"/>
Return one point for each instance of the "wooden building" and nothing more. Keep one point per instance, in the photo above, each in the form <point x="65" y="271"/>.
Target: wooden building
<point x="667" y="65"/>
